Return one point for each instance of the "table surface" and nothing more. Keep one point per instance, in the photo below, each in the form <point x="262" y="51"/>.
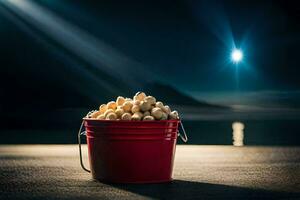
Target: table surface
<point x="203" y="172"/>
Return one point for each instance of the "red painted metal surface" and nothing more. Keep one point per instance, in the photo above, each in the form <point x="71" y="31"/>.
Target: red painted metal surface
<point x="131" y="151"/>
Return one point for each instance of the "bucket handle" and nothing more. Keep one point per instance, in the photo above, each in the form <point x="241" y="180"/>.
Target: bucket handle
<point x="183" y="137"/>
<point x="79" y="143"/>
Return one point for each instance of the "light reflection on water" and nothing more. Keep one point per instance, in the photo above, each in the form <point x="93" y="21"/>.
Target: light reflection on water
<point x="238" y="133"/>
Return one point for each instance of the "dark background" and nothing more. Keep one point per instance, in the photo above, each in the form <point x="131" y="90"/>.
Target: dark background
<point x="60" y="59"/>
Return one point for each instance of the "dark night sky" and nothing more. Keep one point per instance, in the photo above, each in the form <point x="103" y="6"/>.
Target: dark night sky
<point x="62" y="58"/>
<point x="182" y="43"/>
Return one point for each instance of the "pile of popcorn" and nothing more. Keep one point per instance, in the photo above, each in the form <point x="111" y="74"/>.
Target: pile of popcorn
<point x="141" y="107"/>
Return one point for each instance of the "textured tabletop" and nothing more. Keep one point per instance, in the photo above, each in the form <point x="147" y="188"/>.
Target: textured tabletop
<point x="203" y="172"/>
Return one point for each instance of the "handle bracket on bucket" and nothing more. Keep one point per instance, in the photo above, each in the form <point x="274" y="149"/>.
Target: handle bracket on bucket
<point x="183" y="137"/>
<point x="79" y="143"/>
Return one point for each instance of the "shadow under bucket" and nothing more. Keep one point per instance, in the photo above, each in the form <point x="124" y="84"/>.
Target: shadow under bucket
<point x="130" y="151"/>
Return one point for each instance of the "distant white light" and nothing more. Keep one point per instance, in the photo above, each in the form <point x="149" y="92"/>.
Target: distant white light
<point x="236" y="55"/>
<point x="238" y="134"/>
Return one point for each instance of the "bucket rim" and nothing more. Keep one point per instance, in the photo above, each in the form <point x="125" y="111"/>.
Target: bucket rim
<point x="126" y="121"/>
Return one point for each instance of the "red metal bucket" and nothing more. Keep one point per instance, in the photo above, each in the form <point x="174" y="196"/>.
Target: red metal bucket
<point x="130" y="151"/>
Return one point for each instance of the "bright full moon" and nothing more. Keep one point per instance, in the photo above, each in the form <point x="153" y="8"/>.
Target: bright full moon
<point x="236" y="55"/>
